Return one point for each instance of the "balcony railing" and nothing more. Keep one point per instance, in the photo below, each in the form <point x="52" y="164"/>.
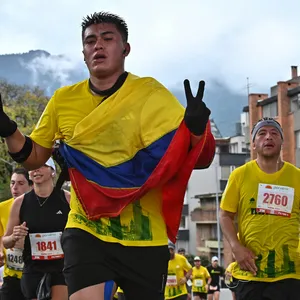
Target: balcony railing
<point x="204" y="216"/>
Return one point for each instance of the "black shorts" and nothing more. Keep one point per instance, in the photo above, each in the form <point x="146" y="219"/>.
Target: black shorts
<point x="213" y="291"/>
<point x="201" y="295"/>
<point x="286" y="289"/>
<point x="30" y="282"/>
<point x="182" y="297"/>
<point x="140" y="271"/>
<point x="11" y="289"/>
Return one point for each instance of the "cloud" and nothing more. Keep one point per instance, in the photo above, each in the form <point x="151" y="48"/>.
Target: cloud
<point x="226" y="41"/>
<point x="60" y="69"/>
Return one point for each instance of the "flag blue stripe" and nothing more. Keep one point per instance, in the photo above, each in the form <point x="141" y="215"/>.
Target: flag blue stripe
<point x="130" y="174"/>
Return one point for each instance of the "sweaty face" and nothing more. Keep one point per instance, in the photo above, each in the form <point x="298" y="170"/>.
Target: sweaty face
<point x="41" y="175"/>
<point x="197" y="263"/>
<point x="18" y="185"/>
<point x="267" y="142"/>
<point x="103" y="49"/>
<point x="215" y="263"/>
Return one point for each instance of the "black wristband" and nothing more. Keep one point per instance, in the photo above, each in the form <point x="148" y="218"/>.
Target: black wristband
<point x="24" y="153"/>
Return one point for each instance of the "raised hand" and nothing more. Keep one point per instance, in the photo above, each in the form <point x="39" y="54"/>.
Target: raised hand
<point x="19" y="232"/>
<point x="7" y="126"/>
<point x="196" y="113"/>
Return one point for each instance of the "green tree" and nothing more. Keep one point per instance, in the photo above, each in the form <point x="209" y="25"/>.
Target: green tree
<point x="24" y="105"/>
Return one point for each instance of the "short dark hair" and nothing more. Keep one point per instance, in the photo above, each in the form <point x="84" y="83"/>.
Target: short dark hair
<point x="24" y="172"/>
<point x="105" y="17"/>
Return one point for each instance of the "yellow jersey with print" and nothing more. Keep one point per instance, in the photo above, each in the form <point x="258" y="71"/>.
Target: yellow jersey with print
<point x="267" y="206"/>
<point x="228" y="273"/>
<point x="13" y="264"/>
<point x="200" y="277"/>
<point x="176" y="270"/>
<point x="141" y="223"/>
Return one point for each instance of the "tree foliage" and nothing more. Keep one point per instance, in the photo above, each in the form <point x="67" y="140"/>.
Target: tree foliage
<point x="24" y="105"/>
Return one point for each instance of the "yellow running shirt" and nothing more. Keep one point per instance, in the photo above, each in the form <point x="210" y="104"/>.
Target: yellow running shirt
<point x="176" y="269"/>
<point x="140" y="223"/>
<point x="13" y="257"/>
<point x="200" y="277"/>
<point x="268" y="207"/>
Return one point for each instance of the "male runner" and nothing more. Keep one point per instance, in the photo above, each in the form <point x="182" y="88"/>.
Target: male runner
<point x="130" y="148"/>
<point x="11" y="289"/>
<point x="265" y="195"/>
<point x="179" y="272"/>
<point x="216" y="272"/>
<point x="201" y="280"/>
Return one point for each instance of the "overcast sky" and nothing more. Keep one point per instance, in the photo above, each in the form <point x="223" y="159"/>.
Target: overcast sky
<point x="171" y="39"/>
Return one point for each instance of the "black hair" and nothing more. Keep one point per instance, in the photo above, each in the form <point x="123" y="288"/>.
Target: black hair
<point x="105" y="17"/>
<point x="265" y="119"/>
<point x="24" y="172"/>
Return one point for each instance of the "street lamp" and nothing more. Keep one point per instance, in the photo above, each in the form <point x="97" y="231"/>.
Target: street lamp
<point x="217" y="211"/>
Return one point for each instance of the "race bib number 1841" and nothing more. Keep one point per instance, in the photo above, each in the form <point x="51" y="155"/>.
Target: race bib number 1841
<point x="46" y="246"/>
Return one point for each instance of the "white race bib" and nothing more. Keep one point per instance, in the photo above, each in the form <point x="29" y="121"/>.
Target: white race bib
<point x="171" y="280"/>
<point x="189" y="283"/>
<point x="46" y="246"/>
<point x="14" y="259"/>
<point x="198" y="282"/>
<point x="275" y="200"/>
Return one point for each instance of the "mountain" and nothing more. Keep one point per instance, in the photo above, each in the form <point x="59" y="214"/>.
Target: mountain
<point x="49" y="72"/>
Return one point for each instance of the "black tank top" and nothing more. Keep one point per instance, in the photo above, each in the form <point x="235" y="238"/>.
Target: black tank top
<point x="43" y="216"/>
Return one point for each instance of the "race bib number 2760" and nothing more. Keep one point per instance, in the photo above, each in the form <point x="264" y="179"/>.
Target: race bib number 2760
<point x="275" y="200"/>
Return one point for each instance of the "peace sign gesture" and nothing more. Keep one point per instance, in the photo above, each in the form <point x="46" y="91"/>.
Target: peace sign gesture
<point x="196" y="113"/>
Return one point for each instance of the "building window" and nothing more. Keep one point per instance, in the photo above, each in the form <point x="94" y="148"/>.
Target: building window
<point x="225" y="172"/>
<point x="297" y="138"/>
<point x="183" y="223"/>
<point x="234" y="148"/>
<point x="270" y="110"/>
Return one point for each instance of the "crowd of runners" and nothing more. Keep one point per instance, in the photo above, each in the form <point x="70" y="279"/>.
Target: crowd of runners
<point x="128" y="147"/>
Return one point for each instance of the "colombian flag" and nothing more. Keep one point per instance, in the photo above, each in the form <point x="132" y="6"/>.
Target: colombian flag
<point x="166" y="162"/>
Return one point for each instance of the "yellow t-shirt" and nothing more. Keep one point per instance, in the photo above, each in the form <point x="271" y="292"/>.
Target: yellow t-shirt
<point x="5" y="207"/>
<point x="229" y="278"/>
<point x="176" y="269"/>
<point x="140" y="223"/>
<point x="268" y="207"/>
<point x="200" y="277"/>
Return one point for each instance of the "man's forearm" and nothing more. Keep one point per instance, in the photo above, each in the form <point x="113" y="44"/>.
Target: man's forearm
<point x="8" y="242"/>
<point x="35" y="154"/>
<point x="15" y="142"/>
<point x="228" y="229"/>
<point x="188" y="274"/>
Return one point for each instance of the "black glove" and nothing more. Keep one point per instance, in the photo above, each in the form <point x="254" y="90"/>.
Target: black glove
<point x="7" y="126"/>
<point x="196" y="113"/>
